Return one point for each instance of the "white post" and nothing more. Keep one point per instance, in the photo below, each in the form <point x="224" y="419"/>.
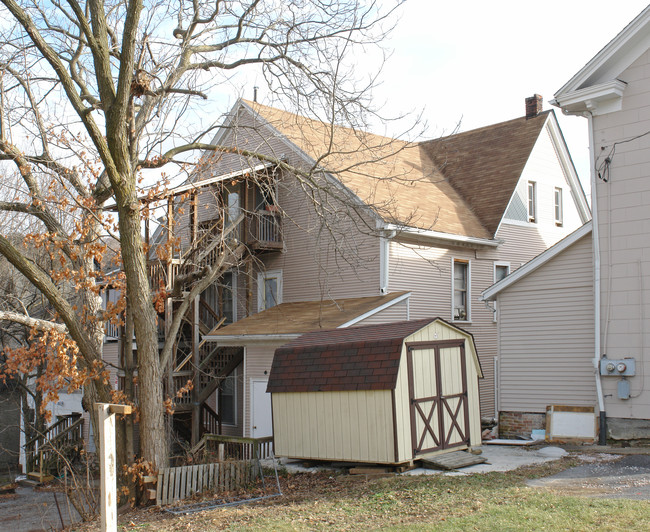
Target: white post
<point x="108" y="463"/>
<point x="108" y="480"/>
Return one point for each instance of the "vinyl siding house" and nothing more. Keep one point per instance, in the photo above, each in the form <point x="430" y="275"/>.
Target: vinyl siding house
<point x="600" y="279"/>
<point x="431" y="224"/>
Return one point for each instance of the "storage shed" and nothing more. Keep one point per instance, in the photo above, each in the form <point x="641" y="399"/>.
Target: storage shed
<point x="385" y="394"/>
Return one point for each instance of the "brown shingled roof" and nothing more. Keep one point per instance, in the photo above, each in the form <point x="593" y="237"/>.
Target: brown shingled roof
<point x="484" y="165"/>
<point x="459" y="184"/>
<point x="305" y="316"/>
<point x="396" y="178"/>
<point x="354" y="358"/>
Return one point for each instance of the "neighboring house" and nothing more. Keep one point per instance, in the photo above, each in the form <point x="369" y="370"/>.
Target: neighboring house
<point x="555" y="313"/>
<point x="436" y="222"/>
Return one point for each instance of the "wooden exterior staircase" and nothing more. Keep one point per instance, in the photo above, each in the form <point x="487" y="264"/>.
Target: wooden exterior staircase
<point x="243" y="212"/>
<point x="47" y="453"/>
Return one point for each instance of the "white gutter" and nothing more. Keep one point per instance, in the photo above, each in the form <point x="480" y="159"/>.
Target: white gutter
<point x="602" y="438"/>
<point x="243" y="339"/>
<point x="447" y="238"/>
<point x="195" y="185"/>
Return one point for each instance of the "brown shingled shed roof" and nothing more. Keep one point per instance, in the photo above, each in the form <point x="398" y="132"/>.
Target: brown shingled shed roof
<point x="354" y="358"/>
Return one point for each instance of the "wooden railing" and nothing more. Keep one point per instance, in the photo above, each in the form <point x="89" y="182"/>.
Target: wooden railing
<point x="179" y="380"/>
<point x="265" y="230"/>
<point x="158" y="272"/>
<point x="111" y="330"/>
<point x="234" y="447"/>
<point x="210" y="422"/>
<point x="59" y="440"/>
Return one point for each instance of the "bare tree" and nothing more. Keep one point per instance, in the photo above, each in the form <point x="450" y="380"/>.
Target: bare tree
<point x="95" y="93"/>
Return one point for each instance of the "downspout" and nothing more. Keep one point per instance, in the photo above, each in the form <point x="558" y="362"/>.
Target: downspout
<point x="384" y="259"/>
<point x="595" y="233"/>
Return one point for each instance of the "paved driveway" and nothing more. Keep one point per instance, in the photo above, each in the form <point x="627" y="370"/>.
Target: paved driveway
<point x="605" y="476"/>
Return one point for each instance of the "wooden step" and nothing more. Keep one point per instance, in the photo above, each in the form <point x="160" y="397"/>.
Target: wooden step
<point x="40" y="477"/>
<point x="454" y="460"/>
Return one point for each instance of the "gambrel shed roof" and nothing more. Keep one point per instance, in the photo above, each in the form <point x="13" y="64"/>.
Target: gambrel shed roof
<point x="350" y="359"/>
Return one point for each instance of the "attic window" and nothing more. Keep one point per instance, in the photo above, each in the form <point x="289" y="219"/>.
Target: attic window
<point x="558" y="206"/>
<point x="532" y="201"/>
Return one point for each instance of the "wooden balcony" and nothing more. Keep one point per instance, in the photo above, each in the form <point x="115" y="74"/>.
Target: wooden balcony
<point x="264" y="230"/>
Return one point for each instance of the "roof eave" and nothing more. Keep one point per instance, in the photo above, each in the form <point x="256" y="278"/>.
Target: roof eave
<point x="597" y="99"/>
<point x="241" y="339"/>
<point x="435" y="237"/>
<point x="532" y="265"/>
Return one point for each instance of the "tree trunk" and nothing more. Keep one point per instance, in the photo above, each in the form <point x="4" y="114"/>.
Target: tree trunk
<point x="153" y="445"/>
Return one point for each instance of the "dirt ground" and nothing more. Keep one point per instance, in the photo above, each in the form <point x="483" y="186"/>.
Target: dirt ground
<point x="600" y="474"/>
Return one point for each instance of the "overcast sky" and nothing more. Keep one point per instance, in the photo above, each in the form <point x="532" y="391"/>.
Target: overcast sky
<point x="476" y="61"/>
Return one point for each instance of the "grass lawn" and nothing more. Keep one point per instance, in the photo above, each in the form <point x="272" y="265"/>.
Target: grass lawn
<point x="492" y="501"/>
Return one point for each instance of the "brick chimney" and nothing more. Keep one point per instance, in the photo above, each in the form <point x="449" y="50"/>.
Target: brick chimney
<point x="534" y="106"/>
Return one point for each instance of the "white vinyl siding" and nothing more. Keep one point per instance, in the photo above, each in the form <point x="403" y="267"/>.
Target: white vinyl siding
<point x="624" y="226"/>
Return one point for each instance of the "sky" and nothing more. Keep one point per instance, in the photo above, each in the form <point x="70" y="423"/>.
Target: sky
<point x="475" y="62"/>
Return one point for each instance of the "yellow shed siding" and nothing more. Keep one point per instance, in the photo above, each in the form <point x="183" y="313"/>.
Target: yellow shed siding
<point x="354" y="426"/>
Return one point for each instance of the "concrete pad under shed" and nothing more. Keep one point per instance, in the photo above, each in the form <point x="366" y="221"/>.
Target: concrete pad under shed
<point x="501" y="458"/>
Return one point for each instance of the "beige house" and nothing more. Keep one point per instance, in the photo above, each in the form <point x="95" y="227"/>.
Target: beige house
<point x="389" y="393"/>
<point x="607" y="313"/>
<point x="440" y="220"/>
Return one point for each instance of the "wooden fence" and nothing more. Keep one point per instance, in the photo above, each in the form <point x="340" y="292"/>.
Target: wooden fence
<point x="232" y="448"/>
<point x="178" y="483"/>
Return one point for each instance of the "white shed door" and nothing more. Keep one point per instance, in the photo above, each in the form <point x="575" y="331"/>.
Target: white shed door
<point x="261" y="409"/>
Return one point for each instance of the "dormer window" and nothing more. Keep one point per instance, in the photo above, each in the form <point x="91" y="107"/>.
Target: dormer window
<point x="532" y="201"/>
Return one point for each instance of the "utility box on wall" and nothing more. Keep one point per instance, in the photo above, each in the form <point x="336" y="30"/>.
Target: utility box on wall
<point x="624" y="367"/>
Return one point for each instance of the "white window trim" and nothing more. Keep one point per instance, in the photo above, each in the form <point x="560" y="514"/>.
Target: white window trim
<point x="500" y="263"/>
<point x="532" y="217"/>
<point x="234" y="296"/>
<point x="261" y="276"/>
<point x="494" y="279"/>
<point x="559" y="220"/>
<point x="468" y="319"/>
<point x="235" y="400"/>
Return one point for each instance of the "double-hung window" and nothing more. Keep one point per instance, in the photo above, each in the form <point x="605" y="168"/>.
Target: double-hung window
<point x="227" y="399"/>
<point x="532" y="201"/>
<point x="558" y="206"/>
<point x="501" y="271"/>
<point x="269" y="289"/>
<point x="461" y="290"/>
